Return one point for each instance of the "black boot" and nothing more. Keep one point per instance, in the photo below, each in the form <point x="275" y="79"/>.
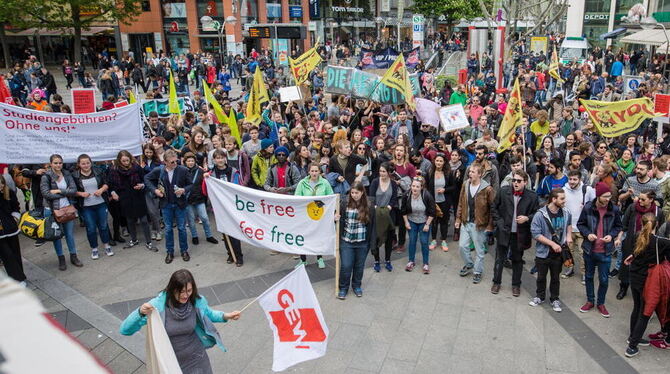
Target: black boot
<point x="457" y="234"/>
<point x="622" y="292"/>
<point x="75" y="260"/>
<point x="61" y="263"/>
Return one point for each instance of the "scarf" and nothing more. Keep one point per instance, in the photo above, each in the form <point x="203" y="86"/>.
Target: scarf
<point x="130" y="175"/>
<point x="627" y="166"/>
<point x="455" y="166"/>
<point x="641" y="211"/>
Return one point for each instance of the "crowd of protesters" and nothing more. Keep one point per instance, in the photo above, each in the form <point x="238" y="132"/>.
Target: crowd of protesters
<point x="571" y="201"/>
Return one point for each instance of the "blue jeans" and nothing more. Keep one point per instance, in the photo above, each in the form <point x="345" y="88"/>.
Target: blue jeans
<point x="201" y="211"/>
<point x="416" y="232"/>
<point x="68" y="231"/>
<point x="172" y="212"/>
<point x="352" y="256"/>
<point x="602" y="261"/>
<point x="469" y="233"/>
<point x="95" y="219"/>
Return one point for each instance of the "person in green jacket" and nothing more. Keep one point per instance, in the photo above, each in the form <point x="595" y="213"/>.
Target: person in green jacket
<point x="260" y="164"/>
<point x="313" y="185"/>
<point x="459" y="96"/>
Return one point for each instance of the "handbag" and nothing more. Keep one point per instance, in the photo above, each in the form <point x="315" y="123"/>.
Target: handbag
<point x="438" y="211"/>
<point x="66" y="214"/>
<point x="566" y="255"/>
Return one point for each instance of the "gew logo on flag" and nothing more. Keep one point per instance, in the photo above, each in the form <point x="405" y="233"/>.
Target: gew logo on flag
<point x="298" y="325"/>
<point x="293" y="312"/>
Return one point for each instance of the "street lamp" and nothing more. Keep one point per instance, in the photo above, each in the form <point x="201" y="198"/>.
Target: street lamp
<point x="650" y="23"/>
<point x="230" y="20"/>
<point x="378" y="21"/>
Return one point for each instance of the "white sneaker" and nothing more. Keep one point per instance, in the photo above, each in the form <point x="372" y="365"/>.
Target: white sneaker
<point x="536" y="301"/>
<point x="23" y="284"/>
<point x="153" y="236"/>
<point x="94" y="254"/>
<point x="109" y="251"/>
<point x="159" y="236"/>
<point x="583" y="279"/>
<point x="556" y="306"/>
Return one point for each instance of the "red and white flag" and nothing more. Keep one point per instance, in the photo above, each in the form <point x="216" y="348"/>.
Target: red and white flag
<point x="294" y="314"/>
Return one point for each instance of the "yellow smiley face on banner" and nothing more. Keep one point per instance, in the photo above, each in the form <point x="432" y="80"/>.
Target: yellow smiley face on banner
<point x="315" y="210"/>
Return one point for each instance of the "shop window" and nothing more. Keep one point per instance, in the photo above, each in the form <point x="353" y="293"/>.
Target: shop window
<point x="146" y="6"/>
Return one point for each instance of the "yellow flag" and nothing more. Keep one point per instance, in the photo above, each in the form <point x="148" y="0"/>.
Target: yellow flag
<point x="173" y="104"/>
<point x="303" y="65"/>
<point x="230" y="120"/>
<point x="553" y="67"/>
<point x="613" y="119"/>
<point x="131" y="98"/>
<point x="397" y="77"/>
<point x="511" y="119"/>
<point x="258" y="95"/>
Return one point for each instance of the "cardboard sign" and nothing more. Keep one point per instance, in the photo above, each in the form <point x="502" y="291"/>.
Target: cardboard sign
<point x="83" y="100"/>
<point x="662" y="104"/>
<point x="291" y="93"/>
<point x="120" y="104"/>
<point x="453" y="117"/>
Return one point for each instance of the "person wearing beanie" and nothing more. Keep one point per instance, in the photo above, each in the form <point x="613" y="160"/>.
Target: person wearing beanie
<point x="283" y="177"/>
<point x="260" y="164"/>
<point x="600" y="224"/>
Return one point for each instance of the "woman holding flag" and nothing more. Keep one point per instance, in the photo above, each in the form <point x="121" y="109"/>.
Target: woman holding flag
<point x="187" y="319"/>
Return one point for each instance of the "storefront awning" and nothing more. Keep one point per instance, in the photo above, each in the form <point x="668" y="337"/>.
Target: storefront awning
<point x="653" y="37"/>
<point x="94" y="30"/>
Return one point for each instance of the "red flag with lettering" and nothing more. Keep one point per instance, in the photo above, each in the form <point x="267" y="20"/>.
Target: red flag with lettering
<point x="300" y="332"/>
<point x="5" y="95"/>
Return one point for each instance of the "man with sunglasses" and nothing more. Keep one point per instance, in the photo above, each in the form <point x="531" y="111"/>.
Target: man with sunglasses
<point x="513" y="208"/>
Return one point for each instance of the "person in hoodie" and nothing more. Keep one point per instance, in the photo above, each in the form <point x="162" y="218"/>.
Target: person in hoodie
<point x="261" y="162"/>
<point x="474" y="214"/>
<point x="313" y="185"/>
<point x="283" y="177"/>
<point x="196" y="201"/>
<point x="552" y="230"/>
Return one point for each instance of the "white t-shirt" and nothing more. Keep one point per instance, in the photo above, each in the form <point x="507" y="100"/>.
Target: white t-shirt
<point x="62" y="185"/>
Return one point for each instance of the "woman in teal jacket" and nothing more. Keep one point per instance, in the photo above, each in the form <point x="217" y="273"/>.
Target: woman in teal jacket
<point x="188" y="320"/>
<point x="313" y="185"/>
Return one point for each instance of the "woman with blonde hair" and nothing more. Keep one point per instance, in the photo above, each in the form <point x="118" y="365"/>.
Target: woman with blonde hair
<point x="650" y="250"/>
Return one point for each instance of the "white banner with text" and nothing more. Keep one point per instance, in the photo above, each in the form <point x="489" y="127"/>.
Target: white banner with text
<point x="285" y="223"/>
<point x="31" y="136"/>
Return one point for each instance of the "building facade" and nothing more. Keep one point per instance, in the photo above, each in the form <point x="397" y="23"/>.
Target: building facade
<point x="218" y="26"/>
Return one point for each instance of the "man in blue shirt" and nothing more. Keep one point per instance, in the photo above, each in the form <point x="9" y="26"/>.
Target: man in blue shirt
<point x="554" y="179"/>
<point x="617" y="69"/>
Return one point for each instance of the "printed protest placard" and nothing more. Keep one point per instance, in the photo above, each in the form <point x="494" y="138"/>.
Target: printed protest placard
<point x="453" y="117"/>
<point x="83" y="100"/>
<point x="291" y="93"/>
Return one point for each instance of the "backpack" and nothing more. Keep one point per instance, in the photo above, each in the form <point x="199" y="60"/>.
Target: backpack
<point x="35" y="226"/>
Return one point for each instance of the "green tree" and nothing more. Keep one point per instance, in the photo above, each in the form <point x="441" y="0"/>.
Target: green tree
<point x="11" y="12"/>
<point x="452" y="10"/>
<point x="81" y="14"/>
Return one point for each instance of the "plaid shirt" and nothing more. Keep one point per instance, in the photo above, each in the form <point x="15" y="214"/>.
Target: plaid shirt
<point x="354" y="229"/>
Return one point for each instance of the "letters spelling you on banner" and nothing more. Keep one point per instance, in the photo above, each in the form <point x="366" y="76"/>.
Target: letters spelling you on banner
<point x="614" y="119"/>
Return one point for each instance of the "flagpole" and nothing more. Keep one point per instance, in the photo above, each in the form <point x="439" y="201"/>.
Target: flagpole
<point x="337" y="247"/>
<point x="523" y="140"/>
<point x="230" y="248"/>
